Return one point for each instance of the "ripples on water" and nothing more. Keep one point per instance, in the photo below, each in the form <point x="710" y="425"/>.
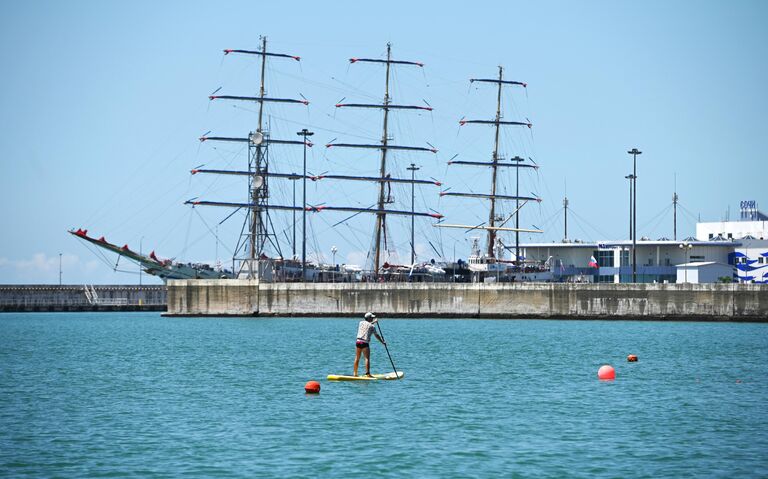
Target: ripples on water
<point x="117" y="395"/>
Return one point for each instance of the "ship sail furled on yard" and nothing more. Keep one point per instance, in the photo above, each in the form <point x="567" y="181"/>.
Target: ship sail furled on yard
<point x="492" y="264"/>
<point x="258" y="253"/>
<point x="251" y="250"/>
<point x="258" y="263"/>
<point x="380" y="249"/>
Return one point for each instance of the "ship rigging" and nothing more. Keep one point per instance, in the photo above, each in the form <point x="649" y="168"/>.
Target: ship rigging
<point x="257" y="263"/>
<point x="258" y="253"/>
<point x="492" y="261"/>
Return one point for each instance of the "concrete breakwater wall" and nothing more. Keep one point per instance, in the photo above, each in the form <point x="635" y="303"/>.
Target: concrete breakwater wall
<point x="47" y="297"/>
<point x="738" y="302"/>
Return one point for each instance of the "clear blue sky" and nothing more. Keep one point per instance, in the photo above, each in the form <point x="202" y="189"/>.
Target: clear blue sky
<point x="102" y="103"/>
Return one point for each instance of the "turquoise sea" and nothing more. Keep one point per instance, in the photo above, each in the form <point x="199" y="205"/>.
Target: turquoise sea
<point x="138" y="395"/>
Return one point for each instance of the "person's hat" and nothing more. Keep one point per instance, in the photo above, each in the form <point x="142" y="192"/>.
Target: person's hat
<point x="369" y="315"/>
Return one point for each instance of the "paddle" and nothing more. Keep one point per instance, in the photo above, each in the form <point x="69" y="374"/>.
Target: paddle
<point x="385" y="347"/>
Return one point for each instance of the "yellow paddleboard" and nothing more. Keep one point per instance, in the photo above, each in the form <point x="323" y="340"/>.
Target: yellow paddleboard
<point x="376" y="377"/>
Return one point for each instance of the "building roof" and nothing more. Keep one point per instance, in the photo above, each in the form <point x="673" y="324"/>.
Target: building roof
<point x="613" y="244"/>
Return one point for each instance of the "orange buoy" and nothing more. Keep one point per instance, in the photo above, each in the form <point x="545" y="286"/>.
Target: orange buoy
<point x="606" y="373"/>
<point x="312" y="387"/>
<point x="632" y="358"/>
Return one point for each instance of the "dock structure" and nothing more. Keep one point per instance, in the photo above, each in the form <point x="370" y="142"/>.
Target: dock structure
<point x="78" y="297"/>
<point x="250" y="298"/>
<point x="699" y="302"/>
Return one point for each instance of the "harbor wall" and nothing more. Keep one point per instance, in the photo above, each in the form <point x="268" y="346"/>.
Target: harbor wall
<point x="47" y="297"/>
<point x="737" y="302"/>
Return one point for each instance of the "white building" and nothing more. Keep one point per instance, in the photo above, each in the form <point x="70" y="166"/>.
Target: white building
<point x="732" y="230"/>
<point x="734" y="249"/>
<point x="752" y="223"/>
<point x="656" y="260"/>
<point x="751" y="260"/>
<point x="703" y="272"/>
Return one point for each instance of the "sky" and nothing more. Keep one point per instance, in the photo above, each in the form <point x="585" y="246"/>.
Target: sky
<point x="102" y="105"/>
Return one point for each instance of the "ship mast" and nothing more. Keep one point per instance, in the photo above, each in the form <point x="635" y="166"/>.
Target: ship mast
<point x="259" y="161"/>
<point x="494" y="168"/>
<point x="495" y="222"/>
<point x="261" y="83"/>
<point x="380" y="233"/>
<point x="380" y="218"/>
<point x="258" y="164"/>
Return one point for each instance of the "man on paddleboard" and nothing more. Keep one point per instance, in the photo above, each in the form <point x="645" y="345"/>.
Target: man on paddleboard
<point x="363" y="343"/>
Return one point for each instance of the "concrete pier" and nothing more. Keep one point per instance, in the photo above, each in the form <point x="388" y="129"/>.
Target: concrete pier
<point x="47" y="297"/>
<point x="712" y="302"/>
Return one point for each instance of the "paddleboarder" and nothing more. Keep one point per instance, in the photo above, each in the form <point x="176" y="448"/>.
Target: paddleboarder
<point x="363" y="344"/>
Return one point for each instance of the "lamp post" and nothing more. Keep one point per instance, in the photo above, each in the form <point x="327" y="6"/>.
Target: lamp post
<point x="294" y="217"/>
<point x="630" y="177"/>
<point x="59" y="269"/>
<point x="687" y="248"/>
<point x="413" y="169"/>
<point x="304" y="133"/>
<point x="634" y="152"/>
<point x="517" y="209"/>
<point x="333" y="252"/>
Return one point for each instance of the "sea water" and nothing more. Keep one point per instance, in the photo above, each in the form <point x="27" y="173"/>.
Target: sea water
<point x="139" y="395"/>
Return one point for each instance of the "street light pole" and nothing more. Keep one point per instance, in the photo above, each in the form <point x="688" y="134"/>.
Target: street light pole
<point x="630" y="177"/>
<point x="634" y="152"/>
<point x="59" y="269"/>
<point x="304" y="133"/>
<point x="413" y="169"/>
<point x="517" y="210"/>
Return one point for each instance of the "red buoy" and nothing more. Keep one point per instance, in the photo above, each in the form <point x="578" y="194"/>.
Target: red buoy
<point x="606" y="373"/>
<point x="312" y="387"/>
<point x="632" y="358"/>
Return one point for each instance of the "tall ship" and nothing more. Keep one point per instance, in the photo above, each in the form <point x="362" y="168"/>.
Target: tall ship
<point x="259" y="253"/>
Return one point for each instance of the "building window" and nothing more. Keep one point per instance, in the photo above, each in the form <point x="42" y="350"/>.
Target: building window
<point x="760" y="260"/>
<point x="696" y="258"/>
<point x="605" y="278"/>
<point x="604" y="258"/>
<point x="730" y="235"/>
<point x="625" y="258"/>
<point x="711" y="235"/>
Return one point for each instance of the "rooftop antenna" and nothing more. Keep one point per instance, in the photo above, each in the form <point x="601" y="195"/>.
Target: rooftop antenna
<point x="565" y="211"/>
<point x="565" y="215"/>
<point x="674" y="209"/>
